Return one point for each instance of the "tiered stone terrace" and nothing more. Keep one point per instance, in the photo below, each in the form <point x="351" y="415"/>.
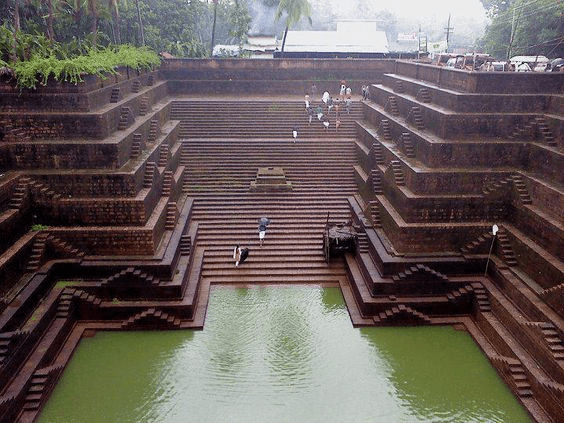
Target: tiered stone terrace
<point x="122" y="199"/>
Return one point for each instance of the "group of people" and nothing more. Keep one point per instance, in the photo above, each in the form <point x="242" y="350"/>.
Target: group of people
<point x="241" y="254"/>
<point x="327" y="105"/>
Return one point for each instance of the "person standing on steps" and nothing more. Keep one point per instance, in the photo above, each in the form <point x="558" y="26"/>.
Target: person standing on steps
<point x="329" y="104"/>
<point x="240" y="255"/>
<point x="325" y="121"/>
<point x="310" y="114"/>
<point x="263" y="223"/>
<point x="319" y="112"/>
<point x="325" y="98"/>
<point x="295" y="132"/>
<point x="348" y="105"/>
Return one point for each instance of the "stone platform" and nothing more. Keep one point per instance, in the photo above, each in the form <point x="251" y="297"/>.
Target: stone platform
<point x="121" y="212"/>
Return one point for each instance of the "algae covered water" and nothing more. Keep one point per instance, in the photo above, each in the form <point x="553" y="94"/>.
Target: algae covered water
<point x="281" y="354"/>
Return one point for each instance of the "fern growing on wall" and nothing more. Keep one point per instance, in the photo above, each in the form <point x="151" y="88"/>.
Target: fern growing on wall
<point x="33" y="59"/>
<point x="38" y="70"/>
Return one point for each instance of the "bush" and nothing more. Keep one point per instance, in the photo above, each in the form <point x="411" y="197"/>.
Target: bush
<point x="39" y="69"/>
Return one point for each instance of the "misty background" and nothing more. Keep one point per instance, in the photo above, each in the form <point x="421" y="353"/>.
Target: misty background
<point x="467" y="19"/>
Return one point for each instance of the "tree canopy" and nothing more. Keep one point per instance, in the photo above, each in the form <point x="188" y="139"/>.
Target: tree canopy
<point x="294" y="10"/>
<point x="524" y="27"/>
<point x="181" y="27"/>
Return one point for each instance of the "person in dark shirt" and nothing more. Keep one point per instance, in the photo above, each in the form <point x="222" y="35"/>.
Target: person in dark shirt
<point x="263" y="223"/>
<point x="240" y="254"/>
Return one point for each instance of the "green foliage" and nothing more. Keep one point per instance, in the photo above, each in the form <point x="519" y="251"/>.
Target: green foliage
<point x="97" y="62"/>
<point x="294" y="10"/>
<point x="522" y="27"/>
<point x="64" y="284"/>
<point x="181" y="27"/>
<point x="240" y="20"/>
<point x="495" y="7"/>
<point x="135" y="57"/>
<point x="39" y="227"/>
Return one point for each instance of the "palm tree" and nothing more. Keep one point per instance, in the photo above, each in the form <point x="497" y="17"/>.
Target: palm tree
<point x="91" y="7"/>
<point x="51" y="4"/>
<point x="295" y="10"/>
<point x="140" y="21"/>
<point x="213" y="28"/>
<point x="17" y="27"/>
<point x="114" y="12"/>
<point x="16" y="16"/>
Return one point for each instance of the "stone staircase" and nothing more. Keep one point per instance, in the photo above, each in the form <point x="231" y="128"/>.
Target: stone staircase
<point x="218" y="176"/>
<point x="431" y="147"/>
<point x="407" y="144"/>
<point x="376" y="182"/>
<point x="257" y="118"/>
<point x="149" y="176"/>
<point x="37" y="252"/>
<point x="515" y="374"/>
<point x="424" y="96"/>
<point x="39" y="385"/>
<point x="521" y="189"/>
<point x="397" y="172"/>
<point x="20" y="194"/>
<point x="415" y="117"/>
<point x="401" y="313"/>
<point x="151" y="318"/>
<point x="384" y="129"/>
<point x="392" y="106"/>
<point x="505" y="249"/>
<point x="546" y="132"/>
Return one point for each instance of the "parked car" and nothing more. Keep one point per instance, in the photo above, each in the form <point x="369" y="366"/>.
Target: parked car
<point x="495" y="66"/>
<point x="557" y="65"/>
<point x="226" y="50"/>
<point x="455" y="62"/>
<point x="529" y="63"/>
<point x="469" y="61"/>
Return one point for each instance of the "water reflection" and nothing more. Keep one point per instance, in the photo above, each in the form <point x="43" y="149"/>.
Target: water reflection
<point x="445" y="378"/>
<point x="278" y="355"/>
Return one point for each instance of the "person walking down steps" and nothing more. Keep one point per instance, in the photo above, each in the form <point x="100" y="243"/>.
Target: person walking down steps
<point x="240" y="254"/>
<point x="263" y="223"/>
<point x="295" y="132"/>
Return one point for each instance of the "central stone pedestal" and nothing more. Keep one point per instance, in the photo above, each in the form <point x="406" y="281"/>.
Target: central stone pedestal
<point x="271" y="179"/>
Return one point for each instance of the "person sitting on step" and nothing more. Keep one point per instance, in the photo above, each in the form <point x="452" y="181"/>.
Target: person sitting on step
<point x="240" y="254"/>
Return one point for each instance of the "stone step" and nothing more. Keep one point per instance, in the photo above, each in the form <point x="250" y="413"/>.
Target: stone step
<point x="241" y="276"/>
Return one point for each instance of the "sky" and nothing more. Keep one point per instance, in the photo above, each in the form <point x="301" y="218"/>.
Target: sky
<point x="413" y="9"/>
<point x="468" y="17"/>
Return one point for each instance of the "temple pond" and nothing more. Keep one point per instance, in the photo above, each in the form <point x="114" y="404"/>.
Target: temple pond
<point x="281" y="354"/>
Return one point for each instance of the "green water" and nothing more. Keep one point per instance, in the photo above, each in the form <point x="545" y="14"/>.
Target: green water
<point x="281" y="354"/>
